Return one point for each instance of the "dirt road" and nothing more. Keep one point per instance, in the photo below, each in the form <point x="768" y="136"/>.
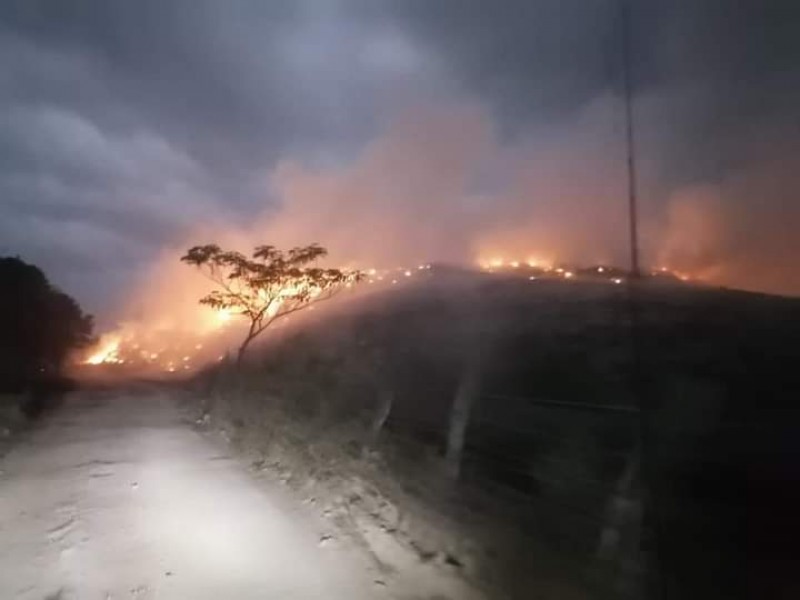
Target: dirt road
<point x="117" y="497"/>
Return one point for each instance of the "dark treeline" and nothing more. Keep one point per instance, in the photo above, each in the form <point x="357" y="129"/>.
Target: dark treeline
<point x="39" y="327"/>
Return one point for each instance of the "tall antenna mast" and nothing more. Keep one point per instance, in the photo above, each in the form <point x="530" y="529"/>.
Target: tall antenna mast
<point x="629" y="138"/>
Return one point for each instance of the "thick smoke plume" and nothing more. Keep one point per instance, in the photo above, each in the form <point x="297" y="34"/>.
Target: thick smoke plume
<point x="740" y="231"/>
<point x="440" y="185"/>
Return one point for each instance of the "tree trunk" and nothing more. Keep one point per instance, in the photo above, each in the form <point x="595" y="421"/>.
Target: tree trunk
<point x="466" y="394"/>
<point x="242" y="349"/>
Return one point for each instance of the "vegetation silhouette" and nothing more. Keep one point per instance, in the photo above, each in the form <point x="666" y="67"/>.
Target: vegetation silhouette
<point x="269" y="286"/>
<point x="40" y="326"/>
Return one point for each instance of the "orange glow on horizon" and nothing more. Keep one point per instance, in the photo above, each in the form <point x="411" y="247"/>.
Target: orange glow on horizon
<point x="187" y="336"/>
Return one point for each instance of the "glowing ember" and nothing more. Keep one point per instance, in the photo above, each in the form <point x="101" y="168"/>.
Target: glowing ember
<point x="175" y="346"/>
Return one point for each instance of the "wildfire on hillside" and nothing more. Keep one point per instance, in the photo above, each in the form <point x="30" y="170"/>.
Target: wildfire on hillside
<point x="169" y="349"/>
<point x="537" y="267"/>
<point x="137" y="346"/>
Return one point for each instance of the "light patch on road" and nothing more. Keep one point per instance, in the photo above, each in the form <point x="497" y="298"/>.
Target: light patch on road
<point x="165" y="520"/>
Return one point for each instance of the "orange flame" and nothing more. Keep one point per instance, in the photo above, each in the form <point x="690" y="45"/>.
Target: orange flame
<point x="107" y="351"/>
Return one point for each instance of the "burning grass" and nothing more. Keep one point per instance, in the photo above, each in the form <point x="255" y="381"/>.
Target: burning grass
<point x="167" y="344"/>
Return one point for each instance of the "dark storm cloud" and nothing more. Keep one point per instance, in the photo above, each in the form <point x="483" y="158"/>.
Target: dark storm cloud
<point x="212" y="77"/>
<point x="720" y="65"/>
<point x="532" y="59"/>
<point x="140" y="119"/>
<point x="124" y="124"/>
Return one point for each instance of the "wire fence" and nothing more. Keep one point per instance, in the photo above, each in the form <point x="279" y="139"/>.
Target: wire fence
<point x="558" y="464"/>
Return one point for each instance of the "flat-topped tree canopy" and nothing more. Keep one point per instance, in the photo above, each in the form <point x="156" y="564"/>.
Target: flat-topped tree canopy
<point x="272" y="284"/>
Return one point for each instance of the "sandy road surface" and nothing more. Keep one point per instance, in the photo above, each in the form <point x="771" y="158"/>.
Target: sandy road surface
<point x="115" y="497"/>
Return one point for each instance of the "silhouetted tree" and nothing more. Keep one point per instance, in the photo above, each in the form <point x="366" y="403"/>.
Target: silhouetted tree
<point x="269" y="286"/>
<point x="39" y="325"/>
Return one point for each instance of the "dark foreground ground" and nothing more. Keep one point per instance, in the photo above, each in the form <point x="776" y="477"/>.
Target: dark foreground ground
<point x="612" y="449"/>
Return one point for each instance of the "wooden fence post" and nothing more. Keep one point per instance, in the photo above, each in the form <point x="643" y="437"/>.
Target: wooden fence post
<point x="384" y="408"/>
<point x="465" y="397"/>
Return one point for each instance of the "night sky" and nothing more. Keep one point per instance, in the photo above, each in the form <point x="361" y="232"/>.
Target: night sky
<point x="125" y="125"/>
